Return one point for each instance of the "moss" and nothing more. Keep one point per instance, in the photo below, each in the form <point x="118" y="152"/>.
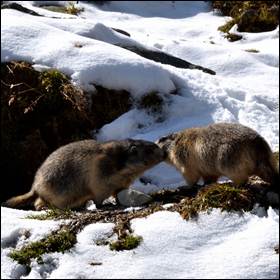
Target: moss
<point x="55" y="242"/>
<point x="224" y="196"/>
<point x="52" y="214"/>
<point x="127" y="243"/>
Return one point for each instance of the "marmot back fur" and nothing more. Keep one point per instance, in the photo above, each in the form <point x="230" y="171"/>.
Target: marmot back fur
<point x="85" y="170"/>
<point x="227" y="149"/>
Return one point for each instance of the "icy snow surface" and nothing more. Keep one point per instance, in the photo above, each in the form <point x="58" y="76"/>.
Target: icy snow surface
<point x="244" y="90"/>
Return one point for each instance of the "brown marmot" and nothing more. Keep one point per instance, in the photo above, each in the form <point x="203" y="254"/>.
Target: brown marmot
<point x="88" y="170"/>
<point x="227" y="149"/>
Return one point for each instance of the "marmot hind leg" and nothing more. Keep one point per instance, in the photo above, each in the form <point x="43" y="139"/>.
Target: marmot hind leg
<point x="40" y="204"/>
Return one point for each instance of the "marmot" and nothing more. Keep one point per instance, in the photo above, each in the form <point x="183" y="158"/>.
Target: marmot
<point x="88" y="170"/>
<point x="227" y="149"/>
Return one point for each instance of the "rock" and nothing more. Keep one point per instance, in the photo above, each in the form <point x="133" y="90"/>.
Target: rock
<point x="165" y="58"/>
<point x="133" y="198"/>
<point x="20" y="8"/>
<point x="121" y="31"/>
<point x="272" y="198"/>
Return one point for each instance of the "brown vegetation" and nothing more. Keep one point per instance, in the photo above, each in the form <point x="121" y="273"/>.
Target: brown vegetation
<point x="250" y="16"/>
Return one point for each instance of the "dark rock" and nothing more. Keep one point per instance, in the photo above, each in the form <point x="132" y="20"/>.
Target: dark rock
<point x="165" y="58"/>
<point x="121" y="31"/>
<point x="133" y="198"/>
<point x="20" y="8"/>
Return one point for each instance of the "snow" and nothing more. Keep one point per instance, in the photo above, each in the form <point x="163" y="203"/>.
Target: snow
<point x="17" y="231"/>
<point x="216" y="245"/>
<point x="244" y="90"/>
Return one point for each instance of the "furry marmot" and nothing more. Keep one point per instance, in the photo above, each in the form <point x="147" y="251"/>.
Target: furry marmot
<point x="228" y="149"/>
<point x="88" y="170"/>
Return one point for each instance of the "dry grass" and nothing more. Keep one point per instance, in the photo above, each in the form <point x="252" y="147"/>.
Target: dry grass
<point x="250" y="16"/>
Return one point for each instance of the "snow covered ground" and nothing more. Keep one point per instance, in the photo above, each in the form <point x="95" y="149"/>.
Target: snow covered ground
<point x="245" y="90"/>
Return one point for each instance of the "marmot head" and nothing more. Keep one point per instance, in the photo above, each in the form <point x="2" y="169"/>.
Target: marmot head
<point x="143" y="152"/>
<point x="137" y="155"/>
<point x="165" y="142"/>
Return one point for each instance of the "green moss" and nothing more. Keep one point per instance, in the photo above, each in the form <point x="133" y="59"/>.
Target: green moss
<point x="55" y="242"/>
<point x="127" y="243"/>
<point x="52" y="214"/>
<point x="224" y="196"/>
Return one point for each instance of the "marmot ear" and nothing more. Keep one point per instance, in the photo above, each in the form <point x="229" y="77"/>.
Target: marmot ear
<point x="168" y="137"/>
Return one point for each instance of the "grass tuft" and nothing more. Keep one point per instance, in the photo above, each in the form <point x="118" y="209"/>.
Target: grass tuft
<point x="56" y="242"/>
<point x="52" y="214"/>
<point x="227" y="26"/>
<point x="127" y="243"/>
<point x="223" y="196"/>
<point x="70" y="8"/>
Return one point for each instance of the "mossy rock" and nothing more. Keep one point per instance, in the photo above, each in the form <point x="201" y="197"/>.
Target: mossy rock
<point x="250" y="16"/>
